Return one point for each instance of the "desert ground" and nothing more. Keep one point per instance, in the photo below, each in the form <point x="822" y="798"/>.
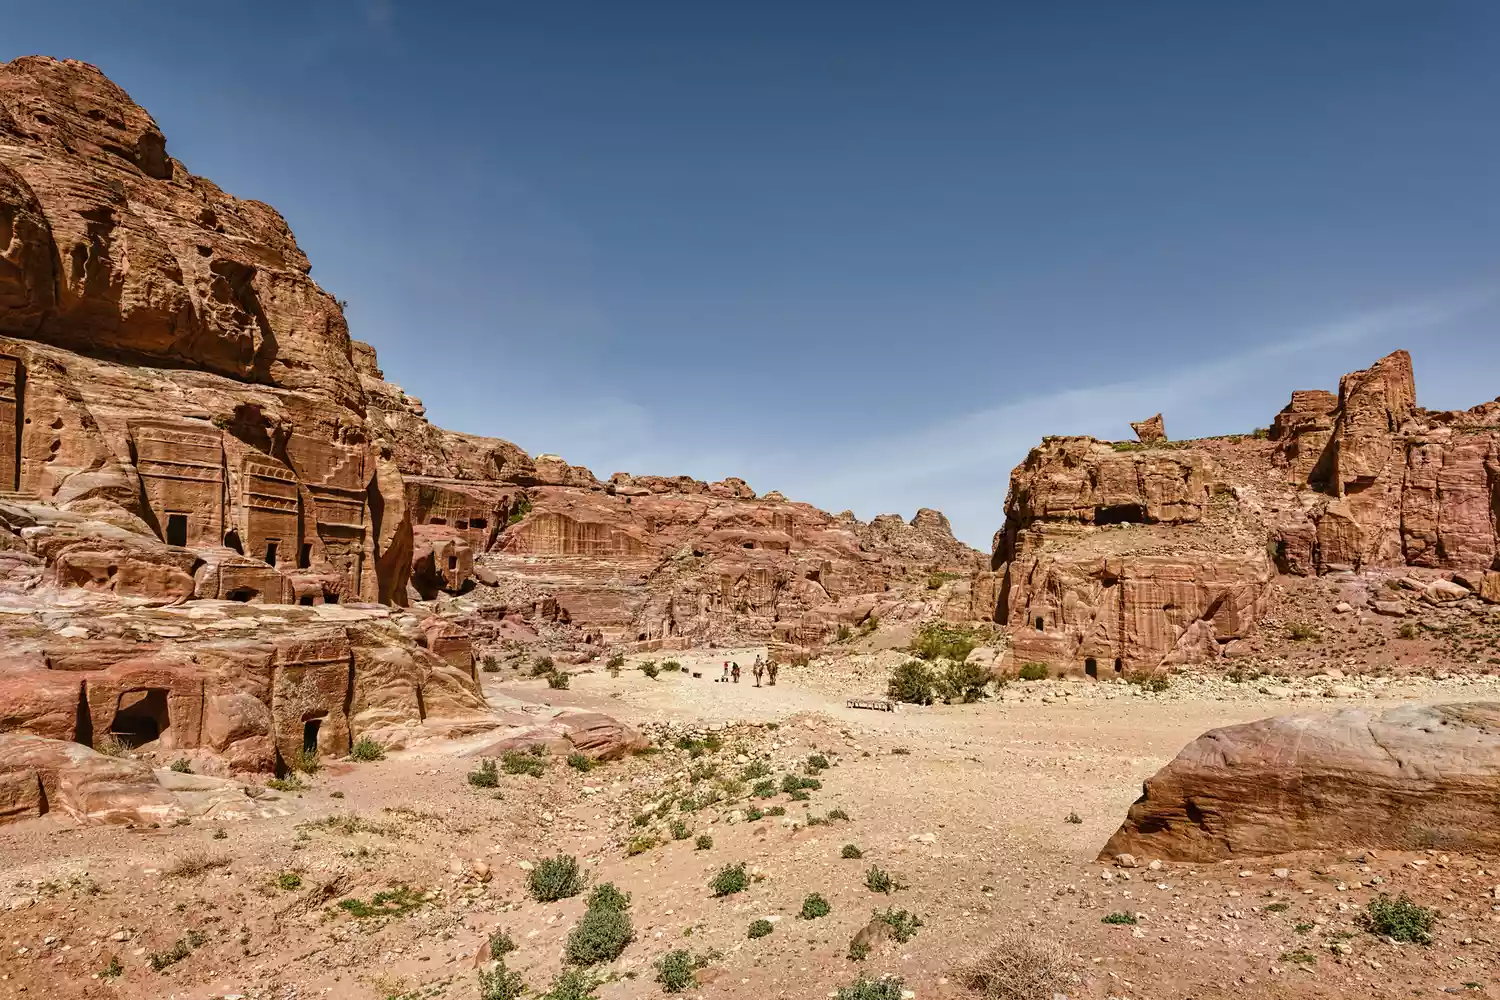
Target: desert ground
<point x="971" y="809"/>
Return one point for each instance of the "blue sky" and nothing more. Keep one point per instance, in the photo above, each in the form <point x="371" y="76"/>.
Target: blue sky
<point x="863" y="253"/>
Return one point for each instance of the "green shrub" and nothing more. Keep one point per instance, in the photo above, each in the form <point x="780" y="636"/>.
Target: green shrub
<point x="601" y="935"/>
<point x="755" y="770"/>
<point x="963" y="682"/>
<point x="607" y="896"/>
<point x="1301" y="957"/>
<point x="814" y="906"/>
<point x="522" y="508"/>
<point x="816" y="763"/>
<point x="579" y="762"/>
<point x="674" y="970"/>
<point x="754" y="813"/>
<point x="616" y="661"/>
<point x="843" y="634"/>
<point x="396" y="901"/>
<point x="838" y="814"/>
<point x="1301" y="632"/>
<point x="703" y="843"/>
<point x="938" y="640"/>
<point x="500" y="983"/>
<point x="1155" y="683"/>
<point x="182" y="765"/>
<point x="670" y="666"/>
<point x="650" y="669"/>
<point x="113" y="969"/>
<point x="760" y="928"/>
<point x="367" y="749"/>
<point x="289" y="881"/>
<point x="1408" y="630"/>
<point x="501" y="945"/>
<point x="639" y="845"/>
<point x="308" y="762"/>
<point x="1034" y="671"/>
<point x="792" y="783"/>
<point x="516" y="762"/>
<point x="879" y="880"/>
<point x="559" y="681"/>
<point x="1278" y="907"/>
<point x="572" y="984"/>
<point x="542" y="666"/>
<point x="489" y="664"/>
<point x="912" y="682"/>
<point x="858" y="950"/>
<point x="871" y="989"/>
<point x="798" y="795"/>
<point x="680" y="830"/>
<point x="1119" y="917"/>
<point x="1399" y="919"/>
<point x="486" y="776"/>
<point x="729" y="880"/>
<point x="764" y="789"/>
<point x="851" y="852"/>
<point x="555" y="878"/>
<point x="776" y="811"/>
<point x="291" y="783"/>
<point x="902" y="923"/>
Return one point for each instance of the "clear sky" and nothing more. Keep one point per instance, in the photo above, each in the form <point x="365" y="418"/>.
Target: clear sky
<point x="863" y="253"/>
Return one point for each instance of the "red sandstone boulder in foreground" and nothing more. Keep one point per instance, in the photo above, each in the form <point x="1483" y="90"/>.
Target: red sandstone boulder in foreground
<point x="1415" y="776"/>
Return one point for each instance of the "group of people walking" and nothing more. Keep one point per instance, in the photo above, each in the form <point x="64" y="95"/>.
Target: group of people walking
<point x="761" y="669"/>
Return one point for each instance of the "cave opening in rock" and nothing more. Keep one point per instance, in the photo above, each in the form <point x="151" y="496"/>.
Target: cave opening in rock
<point x="1119" y="665"/>
<point x="461" y="524"/>
<point x="310" y="734"/>
<point x="1041" y="625"/>
<point x="437" y="520"/>
<point x="330" y="597"/>
<point x="304" y="557"/>
<point x="141" y="716"/>
<point x="1091" y="667"/>
<point x="242" y="594"/>
<point x="271" y="546"/>
<point x="1121" y="513"/>
<point x="306" y="600"/>
<point x="453" y="562"/>
<point x="479" y="522"/>
<point x="232" y="541"/>
<point x="177" y="529"/>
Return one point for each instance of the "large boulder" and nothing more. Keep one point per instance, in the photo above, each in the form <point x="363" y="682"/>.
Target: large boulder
<point x="1415" y="776"/>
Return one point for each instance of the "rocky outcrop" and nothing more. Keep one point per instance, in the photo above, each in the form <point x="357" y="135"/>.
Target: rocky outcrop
<point x="1150" y="431"/>
<point x="1156" y="553"/>
<point x="1408" y="778"/>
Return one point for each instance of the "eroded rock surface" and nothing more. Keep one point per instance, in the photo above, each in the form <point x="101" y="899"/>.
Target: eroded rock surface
<point x="1411" y="777"/>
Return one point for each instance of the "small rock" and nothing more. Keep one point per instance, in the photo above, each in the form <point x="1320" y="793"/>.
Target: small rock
<point x="1125" y="861"/>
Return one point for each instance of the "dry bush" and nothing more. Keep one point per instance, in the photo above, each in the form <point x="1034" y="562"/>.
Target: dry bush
<point x="1019" y="966"/>
<point x="195" y="864"/>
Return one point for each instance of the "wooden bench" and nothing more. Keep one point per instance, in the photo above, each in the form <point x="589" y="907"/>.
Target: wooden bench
<point x="873" y="704"/>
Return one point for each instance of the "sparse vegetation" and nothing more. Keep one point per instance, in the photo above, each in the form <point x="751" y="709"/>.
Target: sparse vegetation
<point x="729" y="880"/>
<point x="501" y="945"/>
<point x="851" y="852"/>
<point x="605" y="929"/>
<point x="182" y="765"/>
<point x="795" y="783"/>
<point x="555" y="878"/>
<point x="1073" y="818"/>
<point x="486" y="775"/>
<point x="814" y="906"/>
<point x="113" y="969"/>
<point x="1399" y="919"/>
<point x="884" y="988"/>
<point x="522" y="508"/>
<point x="195" y="864"/>
<point x="181" y="948"/>
<point x="858" y="950"/>
<point x="703" y="843"/>
<point x="903" y="923"/>
<point x="542" y="665"/>
<point x="1155" y="683"/>
<point x="912" y="682"/>
<point x="1301" y="632"/>
<point x="838" y="814"/>
<point x="1120" y="917"/>
<point x="530" y="762"/>
<point x="1299" y="957"/>
<point x="815" y="764"/>
<point x="500" y="983"/>
<point x="289" y="881"/>
<point x="1408" y="630"/>
<point x="640" y="845"/>
<point x="559" y="680"/>
<point x="572" y="984"/>
<point x="110" y="745"/>
<point x="366" y="749"/>
<point x="963" y="682"/>
<point x="670" y="667"/>
<point x="650" y="669"/>
<point x="489" y="664"/>
<point x="291" y="783"/>
<point x="308" y="762"/>
<point x="615" y="662"/>
<point x="843" y="634"/>
<point x="760" y="928"/>
<point x="1034" y="671"/>
<point x="939" y="640"/>
<point x="1019" y="966"/>
<point x="680" y="830"/>
<point x="580" y="762"/>
<point x="396" y="901"/>
<point x="879" y="880"/>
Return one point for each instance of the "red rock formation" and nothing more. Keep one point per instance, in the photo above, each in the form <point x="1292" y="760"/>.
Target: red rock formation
<point x="1150" y="431"/>
<point x="1412" y="777"/>
<point x="1365" y="479"/>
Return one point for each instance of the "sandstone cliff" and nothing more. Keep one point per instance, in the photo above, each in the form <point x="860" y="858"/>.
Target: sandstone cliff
<point x="1125" y="557"/>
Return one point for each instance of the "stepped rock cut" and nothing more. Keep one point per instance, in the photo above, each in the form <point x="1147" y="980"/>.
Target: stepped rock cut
<point x="1408" y="778"/>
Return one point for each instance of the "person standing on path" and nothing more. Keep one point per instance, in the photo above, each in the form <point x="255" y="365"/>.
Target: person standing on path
<point x="771" y="669"/>
<point x="725" y="678"/>
<point x="758" y="669"/>
<point x="735" y="672"/>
